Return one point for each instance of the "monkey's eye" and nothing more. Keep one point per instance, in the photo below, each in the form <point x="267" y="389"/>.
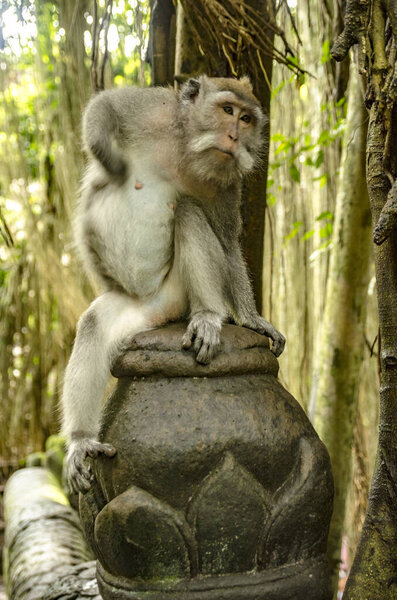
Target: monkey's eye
<point x="228" y="109"/>
<point x="246" y="118"/>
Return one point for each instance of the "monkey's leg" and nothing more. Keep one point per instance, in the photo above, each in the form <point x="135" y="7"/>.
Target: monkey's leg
<point x="109" y="321"/>
<point x="203" y="268"/>
<point x="244" y="309"/>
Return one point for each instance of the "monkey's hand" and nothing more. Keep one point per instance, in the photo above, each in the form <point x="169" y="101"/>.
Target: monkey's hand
<point x="203" y="334"/>
<point x="262" y="326"/>
<point x="79" y="473"/>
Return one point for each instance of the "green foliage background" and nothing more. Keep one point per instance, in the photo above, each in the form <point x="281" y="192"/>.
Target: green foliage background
<point x="43" y="290"/>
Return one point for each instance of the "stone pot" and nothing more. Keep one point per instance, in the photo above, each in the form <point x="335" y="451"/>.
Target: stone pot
<point x="220" y="488"/>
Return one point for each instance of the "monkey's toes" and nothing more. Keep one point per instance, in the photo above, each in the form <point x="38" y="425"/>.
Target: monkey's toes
<point x="79" y="482"/>
<point x="79" y="472"/>
<point x="94" y="449"/>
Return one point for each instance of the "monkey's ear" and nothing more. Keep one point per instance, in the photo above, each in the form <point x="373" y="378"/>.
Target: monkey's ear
<point x="190" y="90"/>
<point x="246" y="82"/>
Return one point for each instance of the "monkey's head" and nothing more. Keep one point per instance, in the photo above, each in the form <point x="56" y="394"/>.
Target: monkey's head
<point x="223" y="123"/>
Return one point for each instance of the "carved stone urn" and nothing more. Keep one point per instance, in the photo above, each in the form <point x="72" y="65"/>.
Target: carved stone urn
<point x="220" y="488"/>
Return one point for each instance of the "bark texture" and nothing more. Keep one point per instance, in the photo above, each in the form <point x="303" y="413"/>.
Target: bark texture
<point x="75" y="79"/>
<point x="374" y="570"/>
<point x="254" y="194"/>
<point x="373" y="575"/>
<point x="162" y="42"/>
<point x="43" y="537"/>
<point x="345" y="308"/>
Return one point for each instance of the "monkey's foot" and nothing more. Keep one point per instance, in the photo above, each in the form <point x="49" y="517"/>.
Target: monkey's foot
<point x="265" y="328"/>
<point x="79" y="472"/>
<point x="203" y="334"/>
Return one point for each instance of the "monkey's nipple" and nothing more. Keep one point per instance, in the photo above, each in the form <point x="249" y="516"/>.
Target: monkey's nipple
<point x="138" y="185"/>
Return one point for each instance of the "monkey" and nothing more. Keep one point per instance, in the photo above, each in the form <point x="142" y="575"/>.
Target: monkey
<point x="159" y="225"/>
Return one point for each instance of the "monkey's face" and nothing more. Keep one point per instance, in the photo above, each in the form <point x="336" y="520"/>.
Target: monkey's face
<point x="225" y="125"/>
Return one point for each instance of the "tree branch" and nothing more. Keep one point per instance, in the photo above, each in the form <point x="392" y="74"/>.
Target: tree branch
<point x="354" y="32"/>
<point x="388" y="217"/>
<point x="98" y="81"/>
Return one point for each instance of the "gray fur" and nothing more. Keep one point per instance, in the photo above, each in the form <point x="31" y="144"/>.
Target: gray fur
<point x="159" y="224"/>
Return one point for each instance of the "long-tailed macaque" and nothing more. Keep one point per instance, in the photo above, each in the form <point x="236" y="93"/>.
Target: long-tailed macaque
<point x="159" y="224"/>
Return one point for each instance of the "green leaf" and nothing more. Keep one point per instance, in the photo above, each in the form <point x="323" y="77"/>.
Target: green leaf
<point x="325" y="53"/>
<point x="293" y="60"/>
<point x="271" y="199"/>
<point x="276" y="90"/>
<point x="322" y="179"/>
<point x="296" y="226"/>
<point x="308" y="235"/>
<point x="319" y="159"/>
<point x="327" y="214"/>
<point x="277" y="137"/>
<point x="324" y="137"/>
<point x="284" y="146"/>
<point x="294" y="172"/>
<point x="326" y="231"/>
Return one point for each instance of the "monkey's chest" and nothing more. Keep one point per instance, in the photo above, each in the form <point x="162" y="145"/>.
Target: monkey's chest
<point x="137" y="221"/>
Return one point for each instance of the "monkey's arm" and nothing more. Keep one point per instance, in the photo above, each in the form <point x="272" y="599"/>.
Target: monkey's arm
<point x="243" y="303"/>
<point x="116" y="120"/>
<point x="203" y="268"/>
<point x="101" y="130"/>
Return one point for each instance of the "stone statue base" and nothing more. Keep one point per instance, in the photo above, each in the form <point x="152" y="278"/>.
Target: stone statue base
<point x="290" y="582"/>
<point x="220" y="488"/>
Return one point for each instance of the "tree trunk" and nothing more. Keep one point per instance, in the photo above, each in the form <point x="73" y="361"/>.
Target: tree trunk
<point x="162" y="42"/>
<point x="373" y="25"/>
<point x="342" y="343"/>
<point x="373" y="574"/>
<point x="75" y="79"/>
<point x="189" y="61"/>
<point x="254" y="193"/>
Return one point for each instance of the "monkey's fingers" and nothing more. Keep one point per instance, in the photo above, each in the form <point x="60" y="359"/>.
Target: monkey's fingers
<point x="206" y="354"/>
<point x="206" y="343"/>
<point x="278" y="343"/>
<point x="265" y="328"/>
<point x="188" y="337"/>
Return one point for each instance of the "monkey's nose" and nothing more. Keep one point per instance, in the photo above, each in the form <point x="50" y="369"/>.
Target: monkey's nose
<point x="233" y="138"/>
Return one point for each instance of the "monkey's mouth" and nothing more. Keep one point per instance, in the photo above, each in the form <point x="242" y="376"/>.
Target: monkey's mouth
<point x="223" y="151"/>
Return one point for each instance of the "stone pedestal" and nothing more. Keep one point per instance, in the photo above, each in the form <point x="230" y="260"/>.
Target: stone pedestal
<point x="220" y="488"/>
